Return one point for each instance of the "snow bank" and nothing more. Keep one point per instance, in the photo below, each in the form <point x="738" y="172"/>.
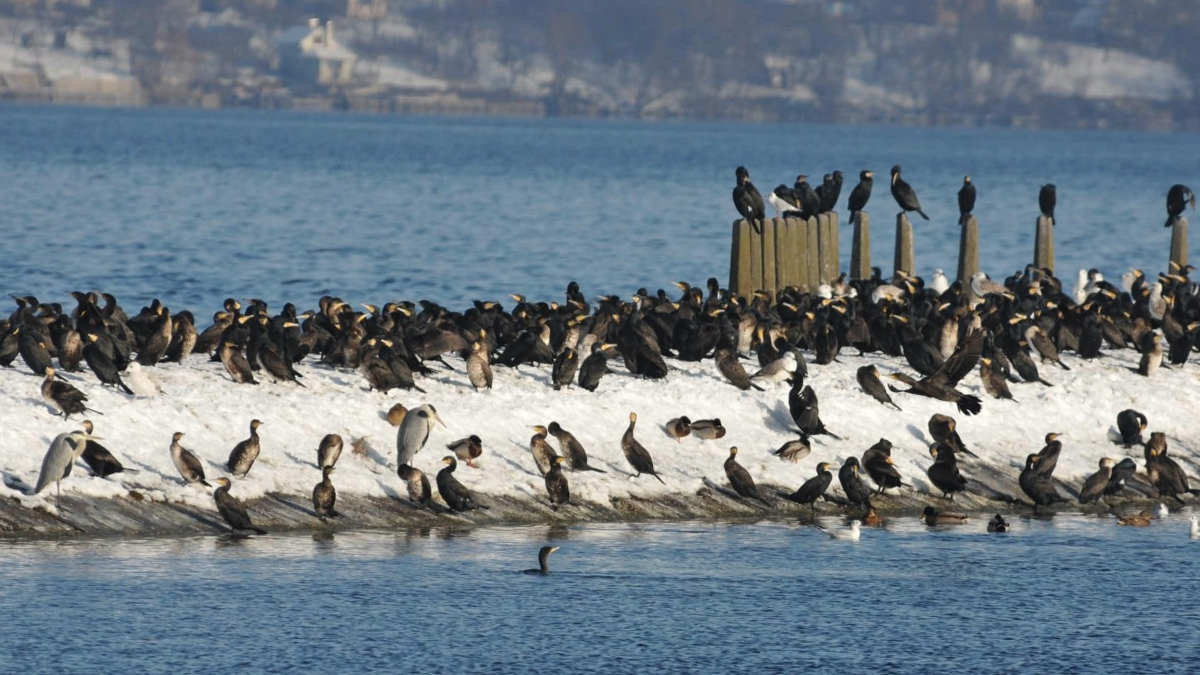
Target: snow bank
<point x="214" y="414"/>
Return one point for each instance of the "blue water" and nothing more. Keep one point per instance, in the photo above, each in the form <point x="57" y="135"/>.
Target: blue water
<point x="193" y="206"/>
<point x="1075" y="594"/>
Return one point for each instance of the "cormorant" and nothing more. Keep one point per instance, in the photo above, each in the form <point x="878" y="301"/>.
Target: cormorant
<point x="943" y="473"/>
<point x="877" y="460"/>
<point x="419" y="490"/>
<point x="329" y="450"/>
<point x="905" y="196"/>
<point x="324" y="496"/>
<point x="456" y="496"/>
<point x="941" y="385"/>
<point x="556" y="483"/>
<point x="594" y="366"/>
<point x="1047" y="457"/>
<point x="479" y="368"/>
<point x="637" y="456"/>
<point x="944" y="429"/>
<point x="97" y="457"/>
<point x="543" y="454"/>
<point x="1131" y="424"/>
<point x="565" y="366"/>
<point x="245" y="452"/>
<point x="856" y="490"/>
<point x="747" y="200"/>
<point x="997" y="524"/>
<point x="1178" y="198"/>
<point x="731" y="367"/>
<point x="188" y="464"/>
<point x="966" y="200"/>
<point x="543" y="555"/>
<point x="572" y="449"/>
<point x="232" y="509"/>
<point x="861" y="194"/>
<point x="1122" y="472"/>
<point x="1164" y="472"/>
<point x="814" y="488"/>
<point x="1047" y="200"/>
<point x="994" y="382"/>
<point x="740" y="479"/>
<point x="805" y="411"/>
<point x="1038" y="487"/>
<point x="235" y="363"/>
<point x="1096" y="484"/>
<point x="868" y="379"/>
<point x="63" y="396"/>
<point x="101" y="365"/>
<point x="810" y="203"/>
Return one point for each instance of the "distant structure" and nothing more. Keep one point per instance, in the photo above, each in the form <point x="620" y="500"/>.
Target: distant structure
<point x="311" y="54"/>
<point x="367" y="10"/>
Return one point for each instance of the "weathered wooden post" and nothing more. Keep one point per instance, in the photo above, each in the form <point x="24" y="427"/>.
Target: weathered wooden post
<point x="835" y="236"/>
<point x="768" y="258"/>
<point x="739" y="259"/>
<point x="756" y="260"/>
<point x="860" y="252"/>
<point x="1179" y="241"/>
<point x="783" y="261"/>
<point x="798" y="252"/>
<point x="904" y="245"/>
<point x="968" y="254"/>
<point x="1043" y="248"/>
<point x="812" y="253"/>
<point x="825" y="245"/>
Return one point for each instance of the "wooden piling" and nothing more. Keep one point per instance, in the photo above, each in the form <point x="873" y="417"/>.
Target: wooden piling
<point x="1043" y="248"/>
<point x="783" y="262"/>
<point x="812" y="253"/>
<point x="904" y="245"/>
<point x="825" y="247"/>
<point x="968" y="254"/>
<point x="860" y="252"/>
<point x="835" y="235"/>
<point x="1179" y="241"/>
<point x="769" y="270"/>
<point x="798" y="252"/>
<point x="756" y="270"/>
<point x="739" y="259"/>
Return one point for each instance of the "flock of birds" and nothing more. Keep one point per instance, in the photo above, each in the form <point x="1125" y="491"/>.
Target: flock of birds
<point x="938" y="329"/>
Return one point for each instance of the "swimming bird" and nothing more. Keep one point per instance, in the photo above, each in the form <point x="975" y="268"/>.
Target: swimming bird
<point x="556" y="483"/>
<point x="904" y="195"/>
<point x="1038" y="487"/>
<point x="966" y="200"/>
<point x="861" y="194"/>
<point x="414" y="432"/>
<point x="1161" y="511"/>
<point x="637" y="456"/>
<point x="419" y="490"/>
<point x="1178" y="198"/>
<point x="852" y="533"/>
<point x="63" y="396"/>
<point x="1141" y="519"/>
<point x="467" y="449"/>
<point x="1131" y="424"/>
<point x="324" y="496"/>
<point x="747" y="200"/>
<point x="1194" y="530"/>
<point x="1097" y="483"/>
<point x="731" y="367"/>
<point x="794" y="450"/>
<point x="806" y="411"/>
<point x="941" y="385"/>
<point x="877" y="460"/>
<point x="456" y="496"/>
<point x="543" y="454"/>
<point x="232" y="509"/>
<point x="740" y="479"/>
<point x="944" y="429"/>
<point x="543" y="559"/>
<point x="814" y="488"/>
<point x="329" y="450"/>
<point x="245" y="452"/>
<point x="97" y="457"/>
<point x="708" y="430"/>
<point x="56" y="464"/>
<point x="997" y="524"/>
<point x="1164" y="472"/>
<point x="101" y="365"/>
<point x="1047" y="200"/>
<point x="931" y="516"/>
<point x="678" y="427"/>
<point x="187" y="464"/>
<point x="868" y="379"/>
<point x="944" y="473"/>
<point x="852" y="483"/>
<point x="572" y="449"/>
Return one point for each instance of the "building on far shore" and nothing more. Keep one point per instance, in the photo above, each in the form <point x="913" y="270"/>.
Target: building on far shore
<point x="312" y="55"/>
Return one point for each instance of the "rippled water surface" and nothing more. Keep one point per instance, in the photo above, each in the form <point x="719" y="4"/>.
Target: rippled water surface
<point x="1075" y="594"/>
<point x="195" y="206"/>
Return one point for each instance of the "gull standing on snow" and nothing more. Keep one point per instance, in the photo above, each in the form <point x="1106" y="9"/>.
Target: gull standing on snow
<point x="777" y="371"/>
<point x="140" y="381"/>
<point x="982" y="286"/>
<point x="414" y="432"/>
<point x="56" y="465"/>
<point x="851" y="533"/>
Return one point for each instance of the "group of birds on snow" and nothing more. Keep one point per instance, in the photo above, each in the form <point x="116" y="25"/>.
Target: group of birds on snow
<point x="938" y="329"/>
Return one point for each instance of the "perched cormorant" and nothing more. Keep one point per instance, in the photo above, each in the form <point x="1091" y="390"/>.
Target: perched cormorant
<point x="1122" y="472"/>
<point x="814" y="488"/>
<point x="1178" y="198"/>
<point x="232" y="509"/>
<point x="467" y="449"/>
<point x="747" y="199"/>
<point x="1047" y="200"/>
<point x="740" y="479"/>
<point x="324" y="496"/>
<point x="1038" y="487"/>
<point x="868" y="379"/>
<point x="943" y="473"/>
<point x="994" y="382"/>
<point x="805" y="411"/>
<point x="1047" y="457"/>
<point x="235" y="363"/>
<point x="1131" y="424"/>
<point x="861" y="194"/>
<point x="565" y="366"/>
<point x="419" y="490"/>
<point x="188" y="464"/>
<point x="479" y="368"/>
<point x="572" y="449"/>
<point x="1164" y="472"/>
<point x="637" y="456"/>
<point x="329" y="450"/>
<point x="731" y="367"/>
<point x="97" y="457"/>
<point x="543" y="566"/>
<point x="62" y="396"/>
<point x="543" y="454"/>
<point x="856" y="490"/>
<point x="594" y="366"/>
<point x="944" y="429"/>
<point x="456" y="496"/>
<point x="877" y="460"/>
<point x="556" y="483"/>
<point x="101" y="365"/>
<point x="966" y="200"/>
<point x="905" y="196"/>
<point x="245" y="452"/>
<point x="1096" y="484"/>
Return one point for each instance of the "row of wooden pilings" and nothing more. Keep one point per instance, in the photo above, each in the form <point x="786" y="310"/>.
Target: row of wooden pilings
<point x="804" y="253"/>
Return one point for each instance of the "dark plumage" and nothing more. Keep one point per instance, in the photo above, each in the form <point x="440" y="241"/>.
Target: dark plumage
<point x="329" y="450"/>
<point x="877" y="460"/>
<point x="1131" y="424"/>
<point x="245" y="452"/>
<point x="966" y="200"/>
<point x="852" y="483"/>
<point x="419" y="490"/>
<point x="1038" y="487"/>
<point x="572" y="449"/>
<point x="1047" y="200"/>
<point x="1096" y="484"/>
<point x="997" y="524"/>
<point x="943" y="473"/>
<point x="1178" y="198"/>
<point x="456" y="496"/>
<point x="868" y="379"/>
<point x="904" y="195"/>
<point x="941" y="385"/>
<point x="944" y="429"/>
<point x="543" y="561"/>
<point x="731" y="367"/>
<point x="101" y="365"/>
<point x="63" y="396"/>
<point x="806" y="412"/>
<point x="1164" y="473"/>
<point x="101" y="462"/>
<point x="637" y="456"/>
<point x="747" y="200"/>
<point x="556" y="483"/>
<point x="232" y="509"/>
<point x="814" y="488"/>
<point x="565" y="366"/>
<point x="861" y="194"/>
<point x="740" y="479"/>
<point x="324" y="496"/>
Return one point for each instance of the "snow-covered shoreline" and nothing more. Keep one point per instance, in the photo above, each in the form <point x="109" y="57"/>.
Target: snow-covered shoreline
<point x="214" y="414"/>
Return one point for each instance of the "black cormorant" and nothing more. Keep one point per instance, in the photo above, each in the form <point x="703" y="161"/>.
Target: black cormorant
<point x="637" y="456"/>
<point x="324" y="496"/>
<point x="966" y="200"/>
<point x="543" y="566"/>
<point x="245" y="452"/>
<point x="905" y="196"/>
<point x="1178" y="197"/>
<point x="877" y="460"/>
<point x="1047" y="200"/>
<point x="814" y="488"/>
<point x="572" y="449"/>
<point x="943" y="473"/>
<point x="1096" y="484"/>
<point x="856" y="490"/>
<point x="740" y="479"/>
<point x="747" y="199"/>
<point x="868" y="379"/>
<point x="188" y="464"/>
<point x="232" y="509"/>
<point x="861" y="194"/>
<point x="556" y="483"/>
<point x="1131" y="424"/>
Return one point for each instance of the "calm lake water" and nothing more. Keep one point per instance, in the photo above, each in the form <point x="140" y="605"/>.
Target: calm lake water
<point x="1071" y="594"/>
<point x="194" y="206"/>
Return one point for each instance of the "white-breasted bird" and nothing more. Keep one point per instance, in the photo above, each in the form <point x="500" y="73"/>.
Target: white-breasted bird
<point x="982" y="286"/>
<point x="780" y="369"/>
<point x="939" y="283"/>
<point x="851" y="533"/>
